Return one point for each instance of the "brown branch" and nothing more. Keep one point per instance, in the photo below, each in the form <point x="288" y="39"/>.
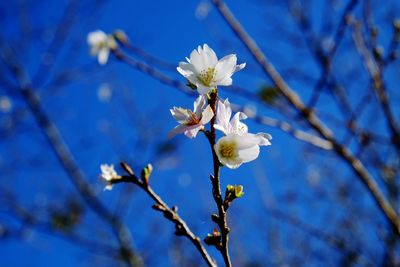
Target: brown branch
<point x="216" y="186"/>
<point x="312" y="120"/>
<point x="181" y="228"/>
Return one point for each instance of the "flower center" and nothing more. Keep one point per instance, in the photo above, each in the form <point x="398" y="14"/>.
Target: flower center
<point x="206" y="76"/>
<point x="228" y="150"/>
<point x="192" y="120"/>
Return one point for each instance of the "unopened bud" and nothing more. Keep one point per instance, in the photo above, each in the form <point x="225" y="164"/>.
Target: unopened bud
<point x="146" y="172"/>
<point x="121" y="37"/>
<point x="232" y="192"/>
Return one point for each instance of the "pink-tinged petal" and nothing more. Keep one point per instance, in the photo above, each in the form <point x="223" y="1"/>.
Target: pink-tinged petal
<point x="207" y="115"/>
<point x="180" y="114"/>
<point x="203" y="90"/>
<point x="103" y="55"/>
<point x="177" y="130"/>
<point x="199" y="105"/>
<point x="225" y="67"/>
<point x="193" y="130"/>
<point x="188" y="130"/>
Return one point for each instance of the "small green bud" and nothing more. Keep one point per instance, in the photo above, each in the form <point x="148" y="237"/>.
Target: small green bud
<point x="146" y="172"/>
<point x="232" y="192"/>
<point x="213" y="239"/>
<point x="120" y="36"/>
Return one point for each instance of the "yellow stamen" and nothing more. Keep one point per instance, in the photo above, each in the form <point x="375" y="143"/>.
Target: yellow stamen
<point x="228" y="150"/>
<point x="206" y="76"/>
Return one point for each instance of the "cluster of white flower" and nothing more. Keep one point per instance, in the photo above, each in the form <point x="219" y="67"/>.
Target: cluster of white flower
<point x="100" y="45"/>
<point x="206" y="72"/>
<point x="108" y="174"/>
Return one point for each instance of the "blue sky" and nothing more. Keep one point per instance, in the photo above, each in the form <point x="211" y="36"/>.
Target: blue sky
<point x="112" y="129"/>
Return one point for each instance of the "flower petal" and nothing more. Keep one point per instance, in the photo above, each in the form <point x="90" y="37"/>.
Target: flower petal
<point x="264" y="139"/>
<point x="199" y="105"/>
<point x="249" y="154"/>
<point x="236" y="126"/>
<point x="207" y="115"/>
<point x="203" y="90"/>
<point x="197" y="60"/>
<point x="224" y="113"/>
<point x="103" y="55"/>
<point x="224" y="82"/>
<point x="239" y="67"/>
<point x="225" y="68"/>
<point x="193" y="130"/>
<point x="96" y="37"/>
<point x="212" y="59"/>
<point x="186" y="69"/>
<point x="180" y="114"/>
<point x="181" y="128"/>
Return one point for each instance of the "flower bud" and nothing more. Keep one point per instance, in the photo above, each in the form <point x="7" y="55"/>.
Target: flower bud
<point x="232" y="192"/>
<point x="146" y="172"/>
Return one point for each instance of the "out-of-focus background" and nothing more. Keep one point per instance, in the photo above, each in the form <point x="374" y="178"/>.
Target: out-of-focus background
<point x="306" y="202"/>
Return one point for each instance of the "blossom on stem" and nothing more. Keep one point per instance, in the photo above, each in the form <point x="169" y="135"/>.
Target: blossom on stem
<point x="100" y="45"/>
<point x="238" y="146"/>
<point x="233" y="150"/>
<point x="206" y="72"/>
<point x="109" y="175"/>
<point x="191" y="122"/>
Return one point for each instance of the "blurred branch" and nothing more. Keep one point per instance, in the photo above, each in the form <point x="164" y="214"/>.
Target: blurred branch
<point x="375" y="72"/>
<point x="61" y="33"/>
<point x="28" y="220"/>
<point x="66" y="158"/>
<point x="310" y="117"/>
<point x="284" y="126"/>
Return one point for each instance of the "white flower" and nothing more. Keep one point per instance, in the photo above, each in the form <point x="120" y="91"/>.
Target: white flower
<point x="108" y="174"/>
<point x="234" y="126"/>
<point x="238" y="146"/>
<point x="100" y="45"/>
<point x="233" y="150"/>
<point x="204" y="70"/>
<point x="191" y="122"/>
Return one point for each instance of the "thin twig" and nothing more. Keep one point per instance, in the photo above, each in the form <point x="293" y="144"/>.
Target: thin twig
<point x="181" y="228"/>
